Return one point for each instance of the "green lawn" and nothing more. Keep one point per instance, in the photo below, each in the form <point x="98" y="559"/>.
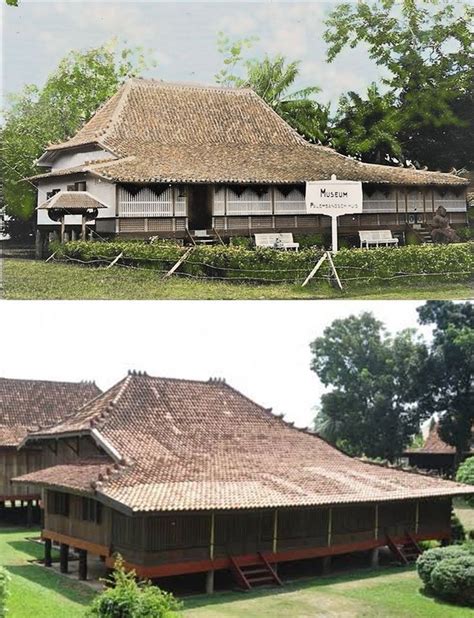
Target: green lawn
<point x="395" y="592"/>
<point x="35" y="591"/>
<point x="387" y="593"/>
<point x="28" y="279"/>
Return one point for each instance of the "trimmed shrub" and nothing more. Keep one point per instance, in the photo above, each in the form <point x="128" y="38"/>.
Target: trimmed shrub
<point x="4" y="586"/>
<point x="453" y="262"/>
<point x="128" y="598"/>
<point x="432" y="557"/>
<point x="453" y="579"/>
<point x="465" y="474"/>
<point x="458" y="534"/>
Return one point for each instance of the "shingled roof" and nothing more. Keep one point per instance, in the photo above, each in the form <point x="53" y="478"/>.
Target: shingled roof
<point x="29" y="404"/>
<point x="189" y="445"/>
<point x="165" y="132"/>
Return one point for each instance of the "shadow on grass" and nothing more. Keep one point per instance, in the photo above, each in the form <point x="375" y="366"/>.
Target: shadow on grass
<point x="28" y="547"/>
<point x="427" y="593"/>
<point x="194" y="602"/>
<point x="73" y="591"/>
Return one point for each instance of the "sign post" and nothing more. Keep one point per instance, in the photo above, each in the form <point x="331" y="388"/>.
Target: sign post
<point x="334" y="198"/>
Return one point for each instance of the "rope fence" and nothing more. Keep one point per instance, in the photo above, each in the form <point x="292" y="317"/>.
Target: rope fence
<point x="108" y="261"/>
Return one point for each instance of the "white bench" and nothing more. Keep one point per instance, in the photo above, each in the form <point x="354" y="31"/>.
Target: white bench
<point x="282" y="240"/>
<point x="377" y="238"/>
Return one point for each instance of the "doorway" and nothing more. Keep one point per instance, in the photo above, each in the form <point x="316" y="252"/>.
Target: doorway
<point x="200" y="207"/>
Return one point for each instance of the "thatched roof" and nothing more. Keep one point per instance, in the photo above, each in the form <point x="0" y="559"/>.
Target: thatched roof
<point x="164" y="132"/>
<point x="71" y="201"/>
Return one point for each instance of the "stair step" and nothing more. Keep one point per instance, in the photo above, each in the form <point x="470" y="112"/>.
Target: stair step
<point x="254" y="580"/>
<point x="257" y="571"/>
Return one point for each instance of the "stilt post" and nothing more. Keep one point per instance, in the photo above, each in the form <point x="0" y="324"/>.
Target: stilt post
<point x="48" y="561"/>
<point x="326" y="565"/>
<point x="63" y="557"/>
<point x="209" y="582"/>
<point x="83" y="564"/>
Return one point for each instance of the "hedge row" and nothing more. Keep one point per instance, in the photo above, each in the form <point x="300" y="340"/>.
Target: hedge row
<point x="453" y="262"/>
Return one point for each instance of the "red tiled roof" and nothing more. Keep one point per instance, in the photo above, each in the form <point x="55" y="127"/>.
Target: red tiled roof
<point x="189" y="445"/>
<point x="165" y="132"/>
<point x="76" y="477"/>
<point x="434" y="444"/>
<point x="28" y="404"/>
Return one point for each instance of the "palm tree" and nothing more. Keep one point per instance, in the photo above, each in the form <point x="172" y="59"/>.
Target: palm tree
<point x="272" y="79"/>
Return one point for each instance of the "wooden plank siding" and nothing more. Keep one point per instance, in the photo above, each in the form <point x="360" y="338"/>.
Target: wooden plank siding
<point x="178" y="543"/>
<point x="15" y="463"/>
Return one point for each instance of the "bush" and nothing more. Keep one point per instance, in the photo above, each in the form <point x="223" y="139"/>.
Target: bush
<point x="4" y="586"/>
<point x="242" y="241"/>
<point x="233" y="262"/>
<point x="453" y="579"/>
<point x="465" y="474"/>
<point x="429" y="260"/>
<point x="309" y="240"/>
<point x="127" y="598"/>
<point x="458" y="534"/>
<point x="432" y="557"/>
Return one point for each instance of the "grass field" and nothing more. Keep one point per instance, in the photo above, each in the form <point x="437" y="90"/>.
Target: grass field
<point x="28" y="279"/>
<point x="389" y="592"/>
<point x="35" y="591"/>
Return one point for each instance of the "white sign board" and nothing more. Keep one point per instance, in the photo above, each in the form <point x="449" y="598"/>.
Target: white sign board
<point x="334" y="198"/>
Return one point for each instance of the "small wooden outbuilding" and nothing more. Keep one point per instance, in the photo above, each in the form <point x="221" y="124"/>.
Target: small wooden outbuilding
<point x="183" y="476"/>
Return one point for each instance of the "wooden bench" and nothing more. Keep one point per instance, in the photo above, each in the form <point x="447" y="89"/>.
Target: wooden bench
<point x="377" y="238"/>
<point x="283" y="240"/>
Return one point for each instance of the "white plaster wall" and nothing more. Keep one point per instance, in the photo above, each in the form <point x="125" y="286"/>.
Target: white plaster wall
<point x="98" y="187"/>
<point x="71" y="159"/>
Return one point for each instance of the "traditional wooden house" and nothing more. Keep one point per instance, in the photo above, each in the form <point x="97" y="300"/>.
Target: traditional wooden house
<point x="435" y="454"/>
<point x="183" y="476"/>
<point x="26" y="405"/>
<point x="167" y="159"/>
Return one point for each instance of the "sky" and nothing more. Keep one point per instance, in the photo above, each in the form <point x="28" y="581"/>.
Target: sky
<point x="261" y="348"/>
<point x="182" y="37"/>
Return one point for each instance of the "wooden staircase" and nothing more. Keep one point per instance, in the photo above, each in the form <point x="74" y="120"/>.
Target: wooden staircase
<point x="406" y="552"/>
<point x="424" y="234"/>
<point x="250" y="575"/>
<point x="205" y="237"/>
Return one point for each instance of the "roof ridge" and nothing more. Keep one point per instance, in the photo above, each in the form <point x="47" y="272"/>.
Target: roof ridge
<point x="176" y="85"/>
<point x="123" y="99"/>
<point x="70" y="382"/>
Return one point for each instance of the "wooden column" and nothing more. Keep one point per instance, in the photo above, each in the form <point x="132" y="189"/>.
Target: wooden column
<point x="63" y="227"/>
<point x="29" y="513"/>
<point x="83" y="564"/>
<point x="376" y="524"/>
<point x="210" y="574"/>
<point x="47" y="553"/>
<point x="417" y="518"/>
<point x="275" y="532"/>
<point x="63" y="557"/>
<point x="329" y="527"/>
<point x="83" y="227"/>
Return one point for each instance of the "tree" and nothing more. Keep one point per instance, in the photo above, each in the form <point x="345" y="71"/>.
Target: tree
<point x="38" y="116"/>
<point x="367" y="129"/>
<point x="374" y="379"/>
<point x="427" y="52"/>
<point x="449" y="385"/>
<point x="465" y="474"/>
<point x="272" y="78"/>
